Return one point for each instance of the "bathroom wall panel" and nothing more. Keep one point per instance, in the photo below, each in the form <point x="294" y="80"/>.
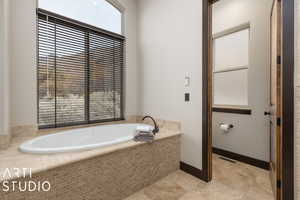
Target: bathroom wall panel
<point x="23" y="63"/>
<point x="250" y="135"/>
<point x="1" y="64"/>
<point x="131" y="81"/>
<point x="242" y="138"/>
<point x="170" y="48"/>
<point x="4" y="69"/>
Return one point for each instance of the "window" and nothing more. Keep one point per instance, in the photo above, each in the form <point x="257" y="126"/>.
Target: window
<point x="231" y="64"/>
<point x="80" y="72"/>
<point x="98" y="13"/>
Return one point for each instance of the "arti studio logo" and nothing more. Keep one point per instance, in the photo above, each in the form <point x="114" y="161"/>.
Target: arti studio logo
<point x="23" y="182"/>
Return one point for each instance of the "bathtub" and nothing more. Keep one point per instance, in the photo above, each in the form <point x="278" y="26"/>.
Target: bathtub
<point x="80" y="139"/>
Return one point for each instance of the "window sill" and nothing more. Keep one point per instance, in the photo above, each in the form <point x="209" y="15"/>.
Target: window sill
<point x="83" y="125"/>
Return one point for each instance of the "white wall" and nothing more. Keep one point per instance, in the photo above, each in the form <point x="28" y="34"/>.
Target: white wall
<point x="250" y="135"/>
<point x="4" y="67"/>
<point x="23" y="61"/>
<point x="130" y="31"/>
<point x="1" y="65"/>
<point x="170" y="47"/>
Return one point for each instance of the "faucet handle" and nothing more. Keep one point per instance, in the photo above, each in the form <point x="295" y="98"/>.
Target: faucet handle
<point x="156" y="128"/>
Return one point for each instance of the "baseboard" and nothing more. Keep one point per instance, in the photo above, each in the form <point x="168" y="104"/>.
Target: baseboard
<point x="245" y="159"/>
<point x="192" y="170"/>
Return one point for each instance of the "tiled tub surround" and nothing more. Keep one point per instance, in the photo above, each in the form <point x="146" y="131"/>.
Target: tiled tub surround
<point x="4" y="141"/>
<point x="17" y="131"/>
<point x="112" y="172"/>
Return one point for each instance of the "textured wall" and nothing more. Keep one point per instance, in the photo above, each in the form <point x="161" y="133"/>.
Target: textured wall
<point x="297" y="101"/>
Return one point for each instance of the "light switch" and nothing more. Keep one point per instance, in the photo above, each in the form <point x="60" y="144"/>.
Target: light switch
<point x="187" y="97"/>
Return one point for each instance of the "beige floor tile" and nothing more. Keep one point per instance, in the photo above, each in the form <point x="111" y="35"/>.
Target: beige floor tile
<point x="231" y="181"/>
<point x="164" y="190"/>
<point x="138" y="196"/>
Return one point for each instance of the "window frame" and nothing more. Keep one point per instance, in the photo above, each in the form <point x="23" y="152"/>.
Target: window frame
<point x="89" y="28"/>
<point x="227" y="32"/>
<point x="115" y="3"/>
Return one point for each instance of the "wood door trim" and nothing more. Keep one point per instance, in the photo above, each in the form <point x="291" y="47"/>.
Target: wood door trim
<point x="207" y="91"/>
<point x="287" y="101"/>
<point x="276" y="99"/>
<point x="192" y="170"/>
<point x="278" y="180"/>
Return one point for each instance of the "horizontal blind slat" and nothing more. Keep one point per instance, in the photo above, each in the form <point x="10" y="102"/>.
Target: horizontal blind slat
<point x="77" y="65"/>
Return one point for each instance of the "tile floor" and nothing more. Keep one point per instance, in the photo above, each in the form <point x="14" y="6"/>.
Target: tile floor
<point x="230" y="182"/>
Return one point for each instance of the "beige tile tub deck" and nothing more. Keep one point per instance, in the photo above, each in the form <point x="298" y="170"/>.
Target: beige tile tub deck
<point x="13" y="158"/>
<point x="107" y="173"/>
<point x="4" y="141"/>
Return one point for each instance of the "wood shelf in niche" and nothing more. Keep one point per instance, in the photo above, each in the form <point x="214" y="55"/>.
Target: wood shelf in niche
<point x="234" y="110"/>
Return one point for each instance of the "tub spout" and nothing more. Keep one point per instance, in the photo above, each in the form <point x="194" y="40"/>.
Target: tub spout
<point x="156" y="129"/>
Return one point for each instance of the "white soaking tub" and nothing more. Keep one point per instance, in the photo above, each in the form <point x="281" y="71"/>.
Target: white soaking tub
<point x="80" y="139"/>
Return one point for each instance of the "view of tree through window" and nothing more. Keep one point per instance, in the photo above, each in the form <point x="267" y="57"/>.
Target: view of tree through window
<point x="79" y="73"/>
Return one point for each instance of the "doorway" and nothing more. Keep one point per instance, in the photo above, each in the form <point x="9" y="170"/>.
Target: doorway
<point x="285" y="185"/>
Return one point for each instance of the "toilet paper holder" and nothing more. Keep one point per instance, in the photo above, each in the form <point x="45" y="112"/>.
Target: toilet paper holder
<point x="226" y="127"/>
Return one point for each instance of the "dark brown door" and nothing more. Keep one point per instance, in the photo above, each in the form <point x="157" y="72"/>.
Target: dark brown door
<point x="275" y="113"/>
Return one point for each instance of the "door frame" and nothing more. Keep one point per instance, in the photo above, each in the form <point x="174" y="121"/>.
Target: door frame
<point x="287" y="185"/>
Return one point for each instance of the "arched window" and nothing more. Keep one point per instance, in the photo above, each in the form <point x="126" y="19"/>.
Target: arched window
<point x="80" y="63"/>
<point x="99" y="13"/>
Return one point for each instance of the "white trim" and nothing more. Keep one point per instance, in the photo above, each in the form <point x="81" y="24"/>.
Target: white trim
<point x="230" y="69"/>
<point x="117" y="5"/>
<point x="122" y="9"/>
<point x="232" y="30"/>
